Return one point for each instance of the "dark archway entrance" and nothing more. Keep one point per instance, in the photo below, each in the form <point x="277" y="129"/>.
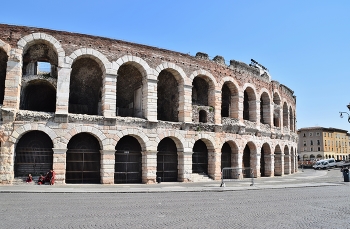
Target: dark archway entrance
<point x="128" y="161"/>
<point x="83" y="160"/>
<point x="226" y="156"/>
<point x="262" y="162"/>
<point x="34" y="154"/>
<point x="167" y="160"/>
<point x="246" y="161"/>
<point x="200" y="158"/>
<point x="39" y="95"/>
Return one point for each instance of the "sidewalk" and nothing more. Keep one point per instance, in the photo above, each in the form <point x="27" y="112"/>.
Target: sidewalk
<point x="308" y="178"/>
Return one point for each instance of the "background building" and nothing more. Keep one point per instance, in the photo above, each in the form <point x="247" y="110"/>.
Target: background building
<point x="99" y="110"/>
<point x="317" y="143"/>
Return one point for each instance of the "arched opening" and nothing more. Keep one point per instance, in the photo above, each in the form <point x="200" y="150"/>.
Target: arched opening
<point x="129" y="92"/>
<point x="249" y="105"/>
<point x="265" y="161"/>
<point x="278" y="161"/>
<point x="246" y="161"/>
<point x="285" y="115"/>
<point x="38" y="95"/>
<point x="40" y="59"/>
<point x="83" y="160"/>
<point x="276" y="110"/>
<point x="319" y="156"/>
<point x="168" y="97"/>
<point x="312" y="157"/>
<point x="225" y="101"/>
<point x="167" y="160"/>
<point x="128" y="161"/>
<point x="291" y="119"/>
<point x="200" y="92"/>
<point x="85" y="89"/>
<point x="203" y="116"/>
<point x="200" y="158"/>
<point x="265" y="117"/>
<point x="226" y="156"/>
<point x="3" y="67"/>
<point x="33" y="154"/>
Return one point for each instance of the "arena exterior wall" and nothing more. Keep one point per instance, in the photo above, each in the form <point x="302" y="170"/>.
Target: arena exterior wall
<point x="109" y="111"/>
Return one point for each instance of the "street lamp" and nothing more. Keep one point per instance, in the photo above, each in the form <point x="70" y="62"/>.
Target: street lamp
<point x="341" y="113"/>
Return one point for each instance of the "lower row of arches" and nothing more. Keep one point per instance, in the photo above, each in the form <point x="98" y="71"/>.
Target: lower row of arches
<point x="34" y="154"/>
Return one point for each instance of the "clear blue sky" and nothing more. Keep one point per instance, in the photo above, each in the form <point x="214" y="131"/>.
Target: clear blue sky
<point x="305" y="44"/>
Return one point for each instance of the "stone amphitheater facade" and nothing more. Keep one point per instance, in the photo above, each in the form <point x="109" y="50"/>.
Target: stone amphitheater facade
<point x="109" y="111"/>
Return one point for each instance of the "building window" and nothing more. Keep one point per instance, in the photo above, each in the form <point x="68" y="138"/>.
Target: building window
<point x="310" y="134"/>
<point x="317" y="134"/>
<point x="318" y="142"/>
<point x="319" y="149"/>
<point x="325" y="142"/>
<point x="311" y="149"/>
<point x="311" y="142"/>
<point x="304" y="143"/>
<point x="304" y="135"/>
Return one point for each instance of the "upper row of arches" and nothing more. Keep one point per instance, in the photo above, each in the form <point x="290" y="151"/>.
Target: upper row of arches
<point x="90" y="74"/>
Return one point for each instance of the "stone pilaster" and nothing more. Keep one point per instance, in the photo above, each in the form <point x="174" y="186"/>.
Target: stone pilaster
<point x="62" y="94"/>
<point x="150" y="92"/>
<point x="214" y="165"/>
<point x="269" y="165"/>
<point x="7" y="164"/>
<point x="240" y="108"/>
<point x="107" y="166"/>
<point x="217" y="108"/>
<point x="287" y="164"/>
<point x="256" y="165"/>
<point x="59" y="165"/>
<point x="109" y="97"/>
<point x="149" y="167"/>
<point x="279" y="164"/>
<point x="13" y="80"/>
<point x="185" y="105"/>
<point x="185" y="166"/>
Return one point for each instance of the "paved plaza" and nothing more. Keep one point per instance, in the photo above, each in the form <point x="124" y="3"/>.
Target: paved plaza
<point x="278" y="204"/>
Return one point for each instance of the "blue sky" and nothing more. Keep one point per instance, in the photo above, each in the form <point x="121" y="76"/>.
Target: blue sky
<point x="305" y="44"/>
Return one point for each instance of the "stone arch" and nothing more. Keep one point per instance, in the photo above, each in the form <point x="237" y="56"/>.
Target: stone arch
<point x="25" y="42"/>
<point x="136" y="62"/>
<point x="86" y="85"/>
<point x="98" y="134"/>
<point x="212" y="85"/>
<point x="20" y="131"/>
<point x="249" y="103"/>
<point x="141" y="137"/>
<point x="230" y="94"/>
<point x="229" y="154"/>
<point x="249" y="163"/>
<point x="133" y="77"/>
<point x="90" y="53"/>
<point x="175" y="136"/>
<point x="170" y="92"/>
<point x="265" y="107"/>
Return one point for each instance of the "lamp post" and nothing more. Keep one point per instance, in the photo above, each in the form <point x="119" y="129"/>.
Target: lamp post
<point x="341" y="113"/>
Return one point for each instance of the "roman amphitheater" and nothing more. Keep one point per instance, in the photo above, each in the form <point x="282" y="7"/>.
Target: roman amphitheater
<point x="100" y="110"/>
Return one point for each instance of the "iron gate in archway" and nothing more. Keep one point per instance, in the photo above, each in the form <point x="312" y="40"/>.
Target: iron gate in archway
<point x="83" y="160"/>
<point x="200" y="158"/>
<point x="34" y="154"/>
<point x="128" y="167"/>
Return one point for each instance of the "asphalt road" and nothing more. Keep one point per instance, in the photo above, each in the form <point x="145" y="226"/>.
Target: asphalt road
<point x="309" y="207"/>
